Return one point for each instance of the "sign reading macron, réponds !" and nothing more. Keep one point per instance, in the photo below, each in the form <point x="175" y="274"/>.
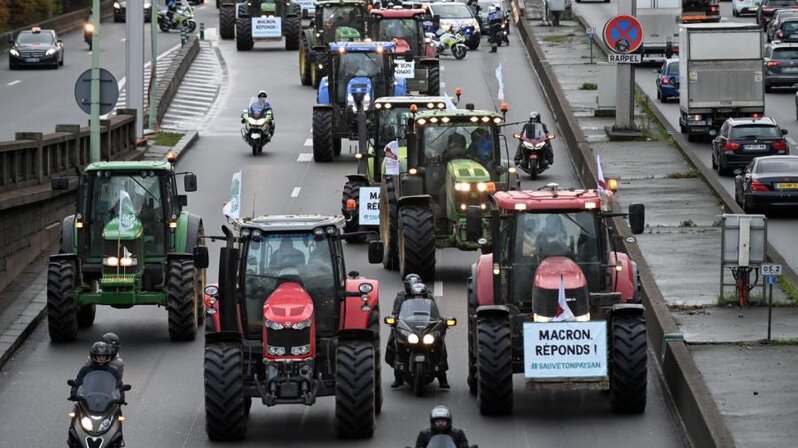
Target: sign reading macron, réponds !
<point x="266" y="27"/>
<point x="565" y="349"/>
<point x="369" y="206"/>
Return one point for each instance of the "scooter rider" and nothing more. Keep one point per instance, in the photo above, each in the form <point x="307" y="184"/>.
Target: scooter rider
<point x="441" y="423"/>
<point x="116" y="361"/>
<point x="537" y="130"/>
<point x="495" y="21"/>
<point x="99" y="357"/>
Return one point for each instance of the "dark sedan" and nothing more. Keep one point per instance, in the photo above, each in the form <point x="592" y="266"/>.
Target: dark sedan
<point x="768" y="8"/>
<point x="742" y="139"/>
<point x="780" y="65"/>
<point x="120" y="11"/>
<point x="36" y="47"/>
<point x="768" y="182"/>
<point x="786" y="30"/>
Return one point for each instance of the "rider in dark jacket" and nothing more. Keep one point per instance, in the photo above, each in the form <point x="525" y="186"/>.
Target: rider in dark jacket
<point x="100" y="357"/>
<point x="529" y="132"/>
<point x="441" y="423"/>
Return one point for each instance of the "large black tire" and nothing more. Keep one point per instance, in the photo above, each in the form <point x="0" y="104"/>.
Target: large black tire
<point x="494" y="367"/>
<point x="355" y="414"/>
<point x="418" y="380"/>
<point x="315" y="76"/>
<point x="227" y="23"/>
<point x="434" y="81"/>
<point x="471" y="379"/>
<point x="305" y="63"/>
<point x="374" y="326"/>
<point x="62" y="320"/>
<point x="244" y="40"/>
<point x="629" y="365"/>
<point x="86" y="315"/>
<point x="292" y="27"/>
<point x="416" y="242"/>
<point x="389" y="224"/>
<point x="352" y="191"/>
<point x="181" y="300"/>
<point x="533" y="169"/>
<point x="323" y="140"/>
<point x="225" y="405"/>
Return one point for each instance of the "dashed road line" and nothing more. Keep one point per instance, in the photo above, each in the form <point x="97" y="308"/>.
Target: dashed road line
<point x="305" y="157"/>
<point x="309" y="142"/>
<point x="438" y="289"/>
<point x="14" y="82"/>
<point x="296" y="191"/>
<point x="443" y="85"/>
<point x="790" y="140"/>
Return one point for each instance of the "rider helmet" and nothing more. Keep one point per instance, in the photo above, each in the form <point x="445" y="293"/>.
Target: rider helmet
<point x="534" y="116"/>
<point x="440" y="419"/>
<point x="113" y="341"/>
<point x="100" y="353"/>
<point x="410" y="280"/>
<point x="262" y="94"/>
<point x="497" y="7"/>
<point x="419" y="290"/>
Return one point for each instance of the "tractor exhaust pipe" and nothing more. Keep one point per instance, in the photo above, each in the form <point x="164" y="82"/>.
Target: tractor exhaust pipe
<point x="228" y="265"/>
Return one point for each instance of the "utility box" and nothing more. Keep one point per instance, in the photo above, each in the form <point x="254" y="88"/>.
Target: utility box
<point x="743" y="242"/>
<point x="606" y="98"/>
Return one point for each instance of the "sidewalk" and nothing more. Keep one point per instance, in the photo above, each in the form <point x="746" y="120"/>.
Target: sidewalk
<point x="752" y="384"/>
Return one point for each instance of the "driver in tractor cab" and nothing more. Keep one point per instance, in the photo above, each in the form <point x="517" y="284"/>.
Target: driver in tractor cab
<point x="552" y="239"/>
<point x="481" y="147"/>
<point x="455" y="147"/>
<point x="287" y="255"/>
<point x="440" y="420"/>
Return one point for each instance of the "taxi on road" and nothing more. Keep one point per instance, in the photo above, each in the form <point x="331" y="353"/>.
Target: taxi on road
<point x="36" y="47"/>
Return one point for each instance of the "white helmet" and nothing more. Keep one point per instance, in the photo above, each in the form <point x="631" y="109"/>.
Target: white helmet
<point x="497" y="7"/>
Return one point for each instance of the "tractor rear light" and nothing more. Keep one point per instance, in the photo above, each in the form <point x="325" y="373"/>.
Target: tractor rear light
<point x="759" y="186"/>
<point x="779" y="145"/>
<point x="496" y="269"/>
<point x="172" y="224"/>
<point x="78" y="224"/>
<point x="731" y="146"/>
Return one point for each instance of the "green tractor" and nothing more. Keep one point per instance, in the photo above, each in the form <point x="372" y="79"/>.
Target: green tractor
<point x="454" y="161"/>
<point x="131" y="242"/>
<point x="261" y="20"/>
<point x="334" y="21"/>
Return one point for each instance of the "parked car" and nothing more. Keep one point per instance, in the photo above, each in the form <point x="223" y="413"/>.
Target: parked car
<point x="740" y="7"/>
<point x="768" y="182"/>
<point x="780" y="65"/>
<point x="668" y="80"/>
<point x="778" y="17"/>
<point x="742" y="139"/>
<point x="768" y="8"/>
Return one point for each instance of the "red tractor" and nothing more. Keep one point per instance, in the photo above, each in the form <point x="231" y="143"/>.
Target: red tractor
<point x="555" y="300"/>
<point x="290" y="325"/>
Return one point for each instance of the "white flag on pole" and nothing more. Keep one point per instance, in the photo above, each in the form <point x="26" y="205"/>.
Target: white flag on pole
<point x="564" y="312"/>
<point x="602" y="185"/>
<point x="500" y="79"/>
<point x="392" y="158"/>
<point x="232" y="208"/>
<point x="449" y="103"/>
<point x="127" y="213"/>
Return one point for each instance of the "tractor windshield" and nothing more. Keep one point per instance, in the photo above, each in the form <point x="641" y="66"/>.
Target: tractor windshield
<point x="142" y="190"/>
<point x="283" y="254"/>
<point x="337" y="17"/>
<point x="357" y="65"/>
<point x="532" y="237"/>
<point x="442" y="144"/>
<point x="407" y="30"/>
<point x="392" y="126"/>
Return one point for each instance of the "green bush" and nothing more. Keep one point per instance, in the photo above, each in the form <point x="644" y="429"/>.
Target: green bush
<point x="3" y="15"/>
<point x="24" y="13"/>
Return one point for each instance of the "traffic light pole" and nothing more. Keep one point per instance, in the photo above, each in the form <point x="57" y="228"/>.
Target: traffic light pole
<point x="94" y="123"/>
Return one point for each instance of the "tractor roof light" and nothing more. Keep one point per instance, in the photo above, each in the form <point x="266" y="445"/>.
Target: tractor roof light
<point x="445" y="119"/>
<point x="433" y="120"/>
<point x="244" y="233"/>
<point x="358" y="155"/>
<point x="441" y="106"/>
<point x="421" y="122"/>
<point x="379" y="49"/>
<point x="485" y="119"/>
<point x="378" y="106"/>
<point x="412" y="171"/>
<point x="497" y="120"/>
<point x="612" y="184"/>
<point x="430" y="105"/>
<point x="474" y="119"/>
<point x="388" y="105"/>
<point x="504" y="107"/>
<point x="341" y="50"/>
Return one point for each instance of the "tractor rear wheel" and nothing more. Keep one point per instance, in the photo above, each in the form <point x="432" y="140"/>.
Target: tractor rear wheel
<point x="244" y="34"/>
<point x="352" y="191"/>
<point x="472" y="353"/>
<point x="86" y="315"/>
<point x="292" y="27"/>
<point x="62" y="321"/>
<point x="225" y="405"/>
<point x="305" y="63"/>
<point x="494" y="366"/>
<point x="416" y="242"/>
<point x="374" y="326"/>
<point x="227" y="23"/>
<point x="389" y="223"/>
<point x="355" y="412"/>
<point x="181" y="297"/>
<point x="629" y="375"/>
<point x="323" y="135"/>
<point x="433" y="80"/>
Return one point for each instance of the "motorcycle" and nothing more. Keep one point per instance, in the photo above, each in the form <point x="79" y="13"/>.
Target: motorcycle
<point x="498" y="33"/>
<point x="443" y="441"/>
<point x="533" y="161"/>
<point x="419" y="334"/>
<point x="183" y="17"/>
<point x="449" y="40"/>
<point x="258" y="127"/>
<point x="88" y="32"/>
<point x="97" y="415"/>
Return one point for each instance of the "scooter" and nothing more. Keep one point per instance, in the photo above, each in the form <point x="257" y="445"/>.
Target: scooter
<point x="443" y="441"/>
<point x="97" y="415"/>
<point x="533" y="161"/>
<point x="453" y="41"/>
<point x="419" y="335"/>
<point x="183" y="17"/>
<point x="88" y="32"/>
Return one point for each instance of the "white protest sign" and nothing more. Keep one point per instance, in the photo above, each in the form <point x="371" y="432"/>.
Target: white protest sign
<point x="565" y="349"/>
<point x="369" y="206"/>
<point x="266" y="27"/>
<point x="405" y="69"/>
<point x="392" y="158"/>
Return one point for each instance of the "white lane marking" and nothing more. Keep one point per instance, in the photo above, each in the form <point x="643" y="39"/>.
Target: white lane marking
<point x="305" y="157"/>
<point x="438" y="289"/>
<point x="296" y="191"/>
<point x="443" y="68"/>
<point x="14" y="82"/>
<point x="122" y="81"/>
<point x="123" y="39"/>
<point x="309" y="142"/>
<point x="789" y="139"/>
<point x="443" y="85"/>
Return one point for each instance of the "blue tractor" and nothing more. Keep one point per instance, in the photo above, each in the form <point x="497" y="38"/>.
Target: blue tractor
<point x="359" y="73"/>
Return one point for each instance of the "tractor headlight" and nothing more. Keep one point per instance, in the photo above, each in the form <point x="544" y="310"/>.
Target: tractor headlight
<point x="147" y="5"/>
<point x="302" y="325"/>
<point x="275" y="351"/>
<point x="462" y="186"/>
<point x="110" y="261"/>
<point x="412" y="338"/>
<point x="300" y="350"/>
<point x="428" y="339"/>
<point x="116" y="5"/>
<point x="105" y="424"/>
<point x="127" y="262"/>
<point x="271" y="325"/>
<point x="86" y="423"/>
<point x="481" y="186"/>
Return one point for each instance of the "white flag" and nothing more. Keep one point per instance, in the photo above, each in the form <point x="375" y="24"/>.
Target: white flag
<point x="232" y="208"/>
<point x="449" y="103"/>
<point x="564" y="312"/>
<point x="500" y="79"/>
<point x="127" y="213"/>
<point x="392" y="158"/>
<point x="600" y="181"/>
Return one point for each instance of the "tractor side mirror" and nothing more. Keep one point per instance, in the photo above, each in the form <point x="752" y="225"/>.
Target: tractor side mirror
<point x="59" y="183"/>
<point x="182" y="200"/>
<point x="71" y="383"/>
<point x="376" y="252"/>
<point x="451" y="322"/>
<point x="127" y="387"/>
<point x="637" y="218"/>
<point x="390" y="320"/>
<point x="473" y="224"/>
<point x="190" y="182"/>
<point x="201" y="258"/>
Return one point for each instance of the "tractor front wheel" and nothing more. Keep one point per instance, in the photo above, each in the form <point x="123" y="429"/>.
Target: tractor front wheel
<point x="225" y="405"/>
<point x="417" y="242"/>
<point x="355" y="412"/>
<point x="305" y="64"/>
<point x="292" y="27"/>
<point x="323" y="140"/>
<point x="181" y="300"/>
<point x="244" y="40"/>
<point x="494" y="366"/>
<point x="62" y="321"/>
<point x="389" y="222"/>
<point x="629" y="375"/>
<point x="374" y="326"/>
<point x="227" y="23"/>
<point x="352" y="191"/>
<point x="433" y="80"/>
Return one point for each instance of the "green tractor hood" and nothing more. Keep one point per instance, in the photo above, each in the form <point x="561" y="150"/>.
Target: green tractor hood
<point x="113" y="232"/>
<point x="346" y="34"/>
<point x="268" y="7"/>
<point x="464" y="171"/>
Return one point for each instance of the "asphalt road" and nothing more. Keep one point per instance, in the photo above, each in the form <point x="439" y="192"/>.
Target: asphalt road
<point x="36" y="99"/>
<point x="166" y="403"/>
<point x="780" y="105"/>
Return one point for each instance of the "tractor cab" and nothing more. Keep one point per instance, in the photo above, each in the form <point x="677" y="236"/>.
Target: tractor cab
<point x="340" y="21"/>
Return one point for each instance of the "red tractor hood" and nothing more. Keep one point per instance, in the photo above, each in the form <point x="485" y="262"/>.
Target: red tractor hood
<point x="547" y="275"/>
<point x="288" y="304"/>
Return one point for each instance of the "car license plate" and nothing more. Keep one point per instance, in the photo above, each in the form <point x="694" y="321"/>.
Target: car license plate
<point x="699" y="123"/>
<point x="756" y="147"/>
<point x="255" y="136"/>
<point x="790" y="69"/>
<point x="787" y="186"/>
<point x="32" y="60"/>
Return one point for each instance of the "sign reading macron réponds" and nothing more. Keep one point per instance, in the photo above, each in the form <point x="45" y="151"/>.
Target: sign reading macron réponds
<point x="369" y="206"/>
<point x="404" y="69"/>
<point x="565" y="349"/>
<point x="266" y="27"/>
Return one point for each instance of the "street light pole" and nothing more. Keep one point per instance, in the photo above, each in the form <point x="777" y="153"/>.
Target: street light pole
<point x="134" y="44"/>
<point x="153" y="121"/>
<point x="94" y="123"/>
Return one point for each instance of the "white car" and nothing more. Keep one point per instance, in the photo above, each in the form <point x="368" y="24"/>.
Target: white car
<point x="740" y="7"/>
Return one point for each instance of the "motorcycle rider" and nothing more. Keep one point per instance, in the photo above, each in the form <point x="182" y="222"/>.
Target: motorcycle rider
<point x="495" y="21"/>
<point x="99" y="357"/>
<point x="263" y="106"/>
<point x="536" y="130"/>
<point x="116" y="361"/>
<point x="171" y="9"/>
<point x="441" y="423"/>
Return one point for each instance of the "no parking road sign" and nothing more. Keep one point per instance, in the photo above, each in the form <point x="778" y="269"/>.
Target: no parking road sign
<point x="623" y="34"/>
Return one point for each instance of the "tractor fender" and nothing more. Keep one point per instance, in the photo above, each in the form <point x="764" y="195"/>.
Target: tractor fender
<point x="400" y="87"/>
<point x="187" y="232"/>
<point x="69" y="257"/>
<point x="323" y="96"/>
<point x="484" y="280"/>
<point x="358" y="178"/>
<point x="241" y="11"/>
<point x="627" y="309"/>
<point x="494" y="311"/>
<point x="355" y="335"/>
<point x="429" y="62"/>
<point x="68" y="236"/>
<point x="410" y="185"/>
<point x="222" y="336"/>
<point x="420" y="200"/>
<point x="623" y="281"/>
<point x="353" y="317"/>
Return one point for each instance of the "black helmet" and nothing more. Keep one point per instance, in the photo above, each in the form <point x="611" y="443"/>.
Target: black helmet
<point x="410" y="280"/>
<point x="113" y="340"/>
<point x="534" y="116"/>
<point x="100" y="353"/>
<point x="419" y="289"/>
<point x="440" y="419"/>
<point x="262" y="94"/>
